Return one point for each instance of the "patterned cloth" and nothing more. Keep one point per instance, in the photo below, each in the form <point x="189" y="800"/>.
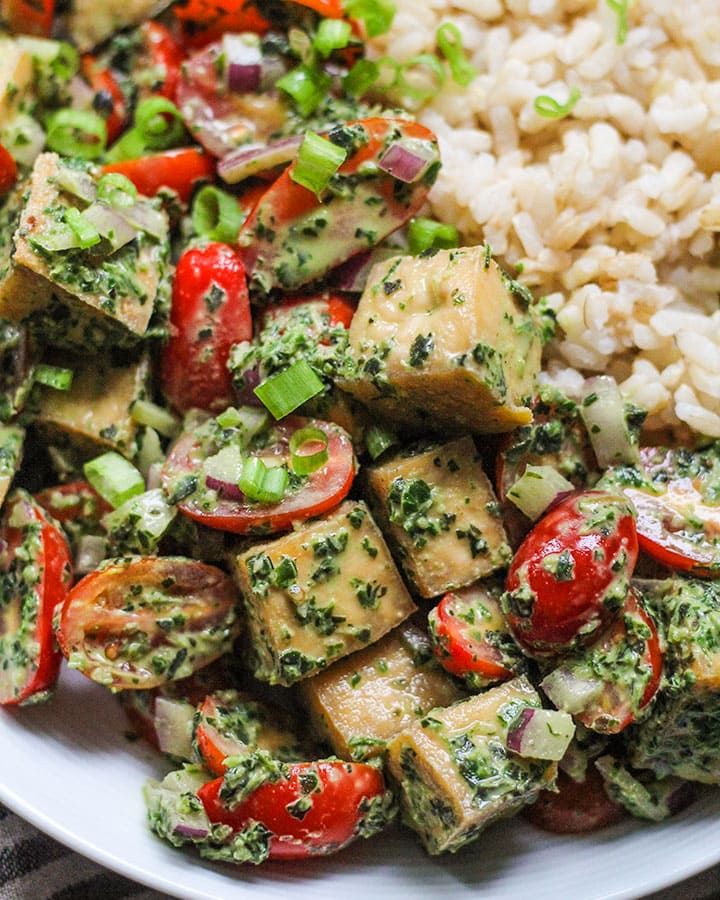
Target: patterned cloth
<point x="35" y="867"/>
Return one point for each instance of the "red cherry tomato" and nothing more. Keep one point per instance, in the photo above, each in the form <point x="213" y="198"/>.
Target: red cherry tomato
<point x="210" y="312"/>
<point x="471" y="637"/>
<point x="141" y="621"/>
<point x="104" y="83"/>
<point x="570" y="576"/>
<point x="315" y="811"/>
<point x="338" y="308"/>
<point x="74" y="501"/>
<point x="29" y="16"/>
<point x="165" y="56"/>
<point x="8" y="171"/>
<point x="678" y="514"/>
<point x="177" y="170"/>
<point x="35" y="569"/>
<point x="206" y="20"/>
<point x="322" y="490"/>
<point x="579" y="806"/>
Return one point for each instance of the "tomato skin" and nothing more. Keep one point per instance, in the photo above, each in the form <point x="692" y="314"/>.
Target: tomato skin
<point x="462" y="646"/>
<point x="55" y="566"/>
<point x="571" y="574"/>
<point x="177" y="170"/>
<point x="210" y="312"/>
<point x="123" y="641"/>
<point x="165" y="54"/>
<point x="8" y="170"/>
<point x="578" y="807"/>
<point x="207" y="20"/>
<point x="33" y="17"/>
<point x="324" y="490"/>
<point x="328" y="825"/>
<point x="102" y="81"/>
<point x="73" y="500"/>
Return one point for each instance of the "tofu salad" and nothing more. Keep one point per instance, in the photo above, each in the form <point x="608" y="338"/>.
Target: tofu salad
<point x="280" y="465"/>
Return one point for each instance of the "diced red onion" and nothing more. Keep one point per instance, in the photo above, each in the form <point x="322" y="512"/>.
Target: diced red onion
<point x="173" y="720"/>
<point x="243" y="62"/>
<point x="192" y="832"/>
<point x="153" y="476"/>
<point x="253" y="159"/>
<point x="143" y="217"/>
<point x="682" y="795"/>
<point x="112" y="226"/>
<point x="81" y="94"/>
<point x="568" y="692"/>
<point x="246" y="395"/>
<point x="226" y="489"/>
<point x="541" y="734"/>
<point x="408" y="160"/>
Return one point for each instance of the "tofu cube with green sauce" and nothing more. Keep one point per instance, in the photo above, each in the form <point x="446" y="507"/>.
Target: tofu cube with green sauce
<point x="361" y="702"/>
<point x="455" y="773"/>
<point x="95" y="415"/>
<point x="681" y="736"/>
<point x="438" y="510"/>
<point x="16" y="78"/>
<point x="99" y="286"/>
<point x="12" y="441"/>
<point x="319" y="593"/>
<point x="446" y="340"/>
<point x="89" y="23"/>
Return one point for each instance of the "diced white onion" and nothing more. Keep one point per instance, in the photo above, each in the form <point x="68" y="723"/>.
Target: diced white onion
<point x="536" y="489"/>
<point x="603" y="412"/>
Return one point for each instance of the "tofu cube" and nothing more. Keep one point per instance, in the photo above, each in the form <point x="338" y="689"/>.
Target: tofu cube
<point x="438" y="510"/>
<point x="320" y="593"/>
<point x="16" y="77"/>
<point x="95" y="415"/>
<point x="455" y="773"/>
<point x="680" y="734"/>
<point x="446" y="341"/>
<point x="89" y="23"/>
<point x="361" y="702"/>
<point x="121" y="288"/>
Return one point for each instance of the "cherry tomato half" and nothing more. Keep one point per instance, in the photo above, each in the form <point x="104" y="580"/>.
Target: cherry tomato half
<point x="106" y="86"/>
<point x="207" y="20"/>
<point x="76" y="501"/>
<point x="29" y="16"/>
<point x="8" y="171"/>
<point x="178" y="170"/>
<point x="165" y="57"/>
<point x="322" y="490"/>
<point x="210" y="312"/>
<point x="577" y="807"/>
<point x="471" y="637"/>
<point x="570" y="576"/>
<point x="35" y="569"/>
<point x="678" y="515"/>
<point x="314" y="811"/>
<point x="141" y="621"/>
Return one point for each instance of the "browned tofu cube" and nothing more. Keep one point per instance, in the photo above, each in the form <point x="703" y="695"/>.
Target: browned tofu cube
<point x="438" y="510"/>
<point x="447" y="341"/>
<point x="359" y="703"/>
<point x="455" y="772"/>
<point x="319" y="593"/>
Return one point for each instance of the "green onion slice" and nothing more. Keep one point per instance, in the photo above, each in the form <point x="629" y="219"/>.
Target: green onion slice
<point x="55" y="377"/>
<point x="130" y="146"/>
<point x="114" y="478"/>
<point x="159" y="122"/>
<point x="620" y="8"/>
<point x="332" y="34"/>
<point x="261" y="482"/>
<point x="116" y="190"/>
<point x="283" y="393"/>
<point x="306" y="86"/>
<point x="428" y="234"/>
<point x="74" y="132"/>
<point x="318" y="160"/>
<point x="145" y="412"/>
<point x="449" y="41"/>
<point x="361" y="78"/>
<point x="217" y="215"/>
<point x="378" y="439"/>
<point x="86" y="233"/>
<point x="308" y="450"/>
<point x="421" y="77"/>
<point x="377" y="15"/>
<point x="552" y="109"/>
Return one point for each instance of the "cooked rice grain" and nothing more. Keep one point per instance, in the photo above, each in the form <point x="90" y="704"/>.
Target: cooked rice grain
<point x="613" y="211"/>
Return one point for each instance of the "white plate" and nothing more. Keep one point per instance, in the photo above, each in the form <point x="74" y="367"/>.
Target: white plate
<point x="69" y="767"/>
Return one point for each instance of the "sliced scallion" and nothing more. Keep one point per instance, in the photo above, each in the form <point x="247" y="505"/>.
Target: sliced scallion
<point x="263" y="483"/>
<point x="159" y="122"/>
<point x="421" y="77"/>
<point x="116" y="190"/>
<point x="130" y="146"/>
<point x="318" y="160"/>
<point x="86" y="233"/>
<point x="217" y="215"/>
<point x="449" y="41"/>
<point x="428" y="234"/>
<point x="114" y="478"/>
<point x="55" y="377"/>
<point x="552" y="109"/>
<point x="376" y="15"/>
<point x="332" y="34"/>
<point x="79" y="133"/>
<point x="145" y="412"/>
<point x="308" y="450"/>
<point x="620" y="8"/>
<point x="283" y="393"/>
<point x="378" y="439"/>
<point x="361" y="78"/>
<point x="306" y="86"/>
<point x="536" y="488"/>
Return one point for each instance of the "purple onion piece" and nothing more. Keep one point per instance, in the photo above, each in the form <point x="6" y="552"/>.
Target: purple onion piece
<point x="407" y="162"/>
<point x="680" y="798"/>
<point x="244" y="78"/>
<point x="190" y="832"/>
<point x="517" y="729"/>
<point x="351" y="275"/>
<point x="225" y="489"/>
<point x="256" y="158"/>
